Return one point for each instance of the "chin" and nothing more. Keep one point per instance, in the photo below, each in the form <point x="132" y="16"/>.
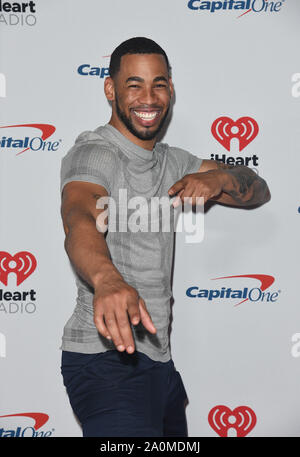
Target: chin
<point x="146" y="135"/>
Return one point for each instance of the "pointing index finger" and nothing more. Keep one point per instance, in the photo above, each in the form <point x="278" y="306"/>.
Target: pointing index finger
<point x="179" y="185"/>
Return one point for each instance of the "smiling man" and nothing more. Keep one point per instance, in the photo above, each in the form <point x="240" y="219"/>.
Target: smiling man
<point x="143" y="121"/>
<point x="116" y="360"/>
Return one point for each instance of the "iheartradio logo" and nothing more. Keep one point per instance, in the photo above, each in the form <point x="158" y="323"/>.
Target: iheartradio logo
<point x="22" y="264"/>
<point x="245" y="129"/>
<point x="242" y="419"/>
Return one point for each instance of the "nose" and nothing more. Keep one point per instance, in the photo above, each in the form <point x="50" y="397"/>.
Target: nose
<point x="147" y="96"/>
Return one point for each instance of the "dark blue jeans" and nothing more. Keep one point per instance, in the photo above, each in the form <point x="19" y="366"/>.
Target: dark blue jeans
<point x="119" y="394"/>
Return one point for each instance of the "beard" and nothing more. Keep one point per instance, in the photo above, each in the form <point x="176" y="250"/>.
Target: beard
<point x="147" y="134"/>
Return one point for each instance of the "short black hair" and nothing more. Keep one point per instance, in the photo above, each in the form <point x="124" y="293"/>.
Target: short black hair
<point x="136" y="45"/>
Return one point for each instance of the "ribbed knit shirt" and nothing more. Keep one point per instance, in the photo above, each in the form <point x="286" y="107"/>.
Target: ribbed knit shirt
<point x="143" y="257"/>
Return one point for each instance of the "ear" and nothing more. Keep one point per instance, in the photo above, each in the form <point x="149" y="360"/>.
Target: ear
<point x="109" y="88"/>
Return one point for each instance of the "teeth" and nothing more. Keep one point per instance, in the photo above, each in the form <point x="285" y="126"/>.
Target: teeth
<point x="145" y="115"/>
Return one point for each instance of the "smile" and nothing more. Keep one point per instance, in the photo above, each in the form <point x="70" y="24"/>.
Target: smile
<point x="146" y="115"/>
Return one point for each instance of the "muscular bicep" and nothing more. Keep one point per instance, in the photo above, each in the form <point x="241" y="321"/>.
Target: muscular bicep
<point x="81" y="200"/>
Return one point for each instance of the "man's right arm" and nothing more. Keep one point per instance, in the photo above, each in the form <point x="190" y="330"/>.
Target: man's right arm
<point x="89" y="254"/>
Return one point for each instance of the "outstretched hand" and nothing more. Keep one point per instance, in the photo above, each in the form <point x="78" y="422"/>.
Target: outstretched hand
<point x="115" y="304"/>
<point x="207" y="184"/>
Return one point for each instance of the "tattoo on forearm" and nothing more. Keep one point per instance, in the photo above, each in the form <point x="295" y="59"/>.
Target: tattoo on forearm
<point x="247" y="186"/>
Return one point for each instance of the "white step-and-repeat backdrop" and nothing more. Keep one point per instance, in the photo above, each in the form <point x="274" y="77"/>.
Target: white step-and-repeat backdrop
<point x="236" y="330"/>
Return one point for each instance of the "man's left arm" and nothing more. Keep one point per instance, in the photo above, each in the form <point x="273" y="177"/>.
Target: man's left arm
<point x="235" y="185"/>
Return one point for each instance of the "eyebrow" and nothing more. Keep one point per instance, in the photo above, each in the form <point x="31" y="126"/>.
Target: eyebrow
<point x="141" y="80"/>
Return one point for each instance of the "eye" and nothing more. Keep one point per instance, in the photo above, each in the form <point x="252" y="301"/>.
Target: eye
<point x="160" y="85"/>
<point x="134" y="85"/>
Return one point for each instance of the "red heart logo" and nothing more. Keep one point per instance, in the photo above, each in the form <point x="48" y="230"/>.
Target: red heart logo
<point x="224" y="129"/>
<point x="242" y="419"/>
<point x="25" y="264"/>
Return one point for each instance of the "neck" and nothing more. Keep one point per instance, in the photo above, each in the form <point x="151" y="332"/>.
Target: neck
<point x="145" y="144"/>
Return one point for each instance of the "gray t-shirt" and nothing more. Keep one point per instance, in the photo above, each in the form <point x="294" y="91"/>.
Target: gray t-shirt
<point x="144" y="258"/>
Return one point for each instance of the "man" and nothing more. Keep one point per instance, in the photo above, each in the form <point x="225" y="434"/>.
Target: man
<point x="116" y="360"/>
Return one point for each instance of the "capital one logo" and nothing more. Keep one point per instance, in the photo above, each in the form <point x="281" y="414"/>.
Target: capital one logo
<point x="22" y="264"/>
<point x="257" y="6"/>
<point x="253" y="294"/>
<point x="2" y="85"/>
<point x="222" y="419"/>
<point x="256" y="293"/>
<point x="20" y="431"/>
<point x="86" y="69"/>
<point x="35" y="143"/>
<point x="39" y="418"/>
